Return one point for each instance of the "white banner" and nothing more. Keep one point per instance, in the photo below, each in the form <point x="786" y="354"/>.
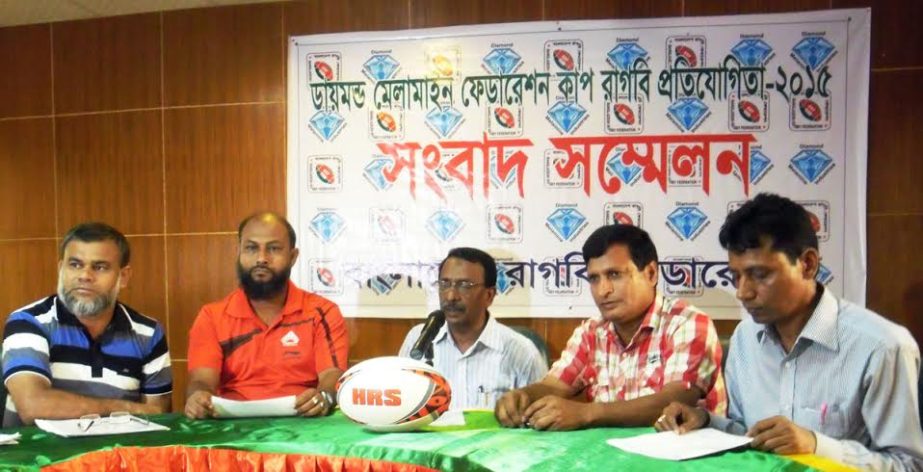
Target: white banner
<point x="521" y="139"/>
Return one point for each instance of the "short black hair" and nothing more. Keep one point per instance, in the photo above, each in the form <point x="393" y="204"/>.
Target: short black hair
<point x="639" y="243"/>
<point x="769" y="218"/>
<point x="270" y="214"/>
<point x="94" y="231"/>
<point x="475" y="256"/>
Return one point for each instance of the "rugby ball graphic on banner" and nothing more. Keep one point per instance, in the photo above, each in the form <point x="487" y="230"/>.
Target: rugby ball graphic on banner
<point x="390" y="394"/>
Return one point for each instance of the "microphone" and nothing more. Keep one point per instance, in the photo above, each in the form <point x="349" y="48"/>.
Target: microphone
<point x="434" y="321"/>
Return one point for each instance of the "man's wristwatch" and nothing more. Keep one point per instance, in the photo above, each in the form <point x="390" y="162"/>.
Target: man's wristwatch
<point x="329" y="399"/>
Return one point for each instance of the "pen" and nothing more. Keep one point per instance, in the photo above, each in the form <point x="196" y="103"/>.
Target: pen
<point x="823" y="413"/>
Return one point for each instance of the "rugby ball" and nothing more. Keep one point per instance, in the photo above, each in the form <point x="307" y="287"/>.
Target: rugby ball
<point x="390" y="394"/>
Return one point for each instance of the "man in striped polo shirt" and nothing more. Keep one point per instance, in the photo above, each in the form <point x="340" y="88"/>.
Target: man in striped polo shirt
<point x="268" y="338"/>
<point x="808" y="372"/>
<point x="81" y="351"/>
<point x="623" y="367"/>
<point x="481" y="358"/>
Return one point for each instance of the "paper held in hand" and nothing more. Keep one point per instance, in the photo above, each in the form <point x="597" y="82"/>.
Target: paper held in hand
<point x="671" y="446"/>
<point x="94" y="425"/>
<point x="281" y="406"/>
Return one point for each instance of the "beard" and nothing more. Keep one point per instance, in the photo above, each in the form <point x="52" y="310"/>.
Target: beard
<point x="262" y="290"/>
<point x="84" y="308"/>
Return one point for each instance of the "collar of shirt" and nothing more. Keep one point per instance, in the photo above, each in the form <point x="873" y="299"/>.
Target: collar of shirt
<point x="489" y="337"/>
<point x="119" y="320"/>
<point x="650" y="324"/>
<point x="820" y="328"/>
<point x="239" y="306"/>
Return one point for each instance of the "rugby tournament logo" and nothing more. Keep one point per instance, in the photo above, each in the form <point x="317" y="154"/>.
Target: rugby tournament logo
<point x="504" y="223"/>
<point x="325" y="277"/>
<point x="750" y="112"/>
<point x="810" y="107"/>
<point x="819" y="213"/>
<point x="553" y="179"/>
<point x="681" y="276"/>
<point x="387" y="224"/>
<point x="623" y="213"/>
<point x="386" y="124"/>
<point x="325" y="173"/>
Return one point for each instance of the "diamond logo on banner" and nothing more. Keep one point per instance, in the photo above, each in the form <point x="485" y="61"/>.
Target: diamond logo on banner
<point x="444" y="121"/>
<point x="814" y="51"/>
<point x="327" y="123"/>
<point x="380" y="67"/>
<point x="383" y="284"/>
<point x="504" y="284"/>
<point x="374" y="173"/>
<point x="624" y="55"/>
<point x="628" y="174"/>
<point x="566" y="222"/>
<point x="566" y="115"/>
<point x="686" y="221"/>
<point x="824" y="275"/>
<point x="502" y="61"/>
<point x="495" y="175"/>
<point x="752" y="52"/>
<point x="327" y="225"/>
<point x="444" y="224"/>
<point x="759" y="164"/>
<point x="688" y="112"/>
<point x="812" y="164"/>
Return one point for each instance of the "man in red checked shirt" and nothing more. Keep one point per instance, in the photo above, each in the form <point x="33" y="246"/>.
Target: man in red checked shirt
<point x="623" y="367"/>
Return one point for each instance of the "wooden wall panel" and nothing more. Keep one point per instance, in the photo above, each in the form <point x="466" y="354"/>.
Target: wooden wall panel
<point x="200" y="269"/>
<point x="312" y="17"/>
<point x="110" y="168"/>
<point x="608" y="9"/>
<point x="29" y="271"/>
<point x="223" y="163"/>
<point x="224" y="55"/>
<point x="433" y="13"/>
<point x="25" y="85"/>
<point x="107" y="64"/>
<point x="739" y="7"/>
<point x="180" y="378"/>
<point x="895" y="31"/>
<point x="146" y="290"/>
<point x="27" y="187"/>
<point x="895" y="168"/>
<point x="895" y="287"/>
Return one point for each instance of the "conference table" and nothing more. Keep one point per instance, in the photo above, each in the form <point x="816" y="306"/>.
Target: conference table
<point x="336" y="443"/>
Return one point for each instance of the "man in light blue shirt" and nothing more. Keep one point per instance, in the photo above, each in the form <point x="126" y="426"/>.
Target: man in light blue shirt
<point x="481" y="358"/>
<point x="808" y="372"/>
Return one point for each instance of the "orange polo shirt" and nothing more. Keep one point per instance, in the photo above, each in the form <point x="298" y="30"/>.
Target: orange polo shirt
<point x="257" y="361"/>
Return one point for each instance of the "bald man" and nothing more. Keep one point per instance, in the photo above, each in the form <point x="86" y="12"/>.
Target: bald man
<point x="268" y="338"/>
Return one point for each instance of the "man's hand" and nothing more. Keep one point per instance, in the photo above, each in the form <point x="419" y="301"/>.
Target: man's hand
<point x="557" y="414"/>
<point x="510" y="408"/>
<point x="199" y="405"/>
<point x="681" y="418"/>
<point x="311" y="403"/>
<point x="779" y="435"/>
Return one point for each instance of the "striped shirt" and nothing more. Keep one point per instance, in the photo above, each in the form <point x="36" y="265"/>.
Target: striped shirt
<point x="674" y="343"/>
<point x="851" y="377"/>
<point x="500" y="360"/>
<point x="128" y="360"/>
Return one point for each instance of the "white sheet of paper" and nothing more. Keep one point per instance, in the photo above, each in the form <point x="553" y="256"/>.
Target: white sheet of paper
<point x="101" y="427"/>
<point x="8" y="439"/>
<point x="671" y="446"/>
<point x="281" y="406"/>
<point x="450" y="418"/>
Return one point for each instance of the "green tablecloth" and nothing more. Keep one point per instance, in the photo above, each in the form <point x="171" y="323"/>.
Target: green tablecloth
<point x="480" y="445"/>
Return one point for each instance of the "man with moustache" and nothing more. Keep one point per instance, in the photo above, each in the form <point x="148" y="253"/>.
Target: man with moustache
<point x="268" y="338"/>
<point x="481" y="358"/>
<point x="622" y="367"/>
<point x="80" y="351"/>
<point x="809" y="373"/>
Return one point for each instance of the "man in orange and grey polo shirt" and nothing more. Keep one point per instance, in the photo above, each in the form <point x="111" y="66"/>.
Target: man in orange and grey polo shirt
<point x="268" y="338"/>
